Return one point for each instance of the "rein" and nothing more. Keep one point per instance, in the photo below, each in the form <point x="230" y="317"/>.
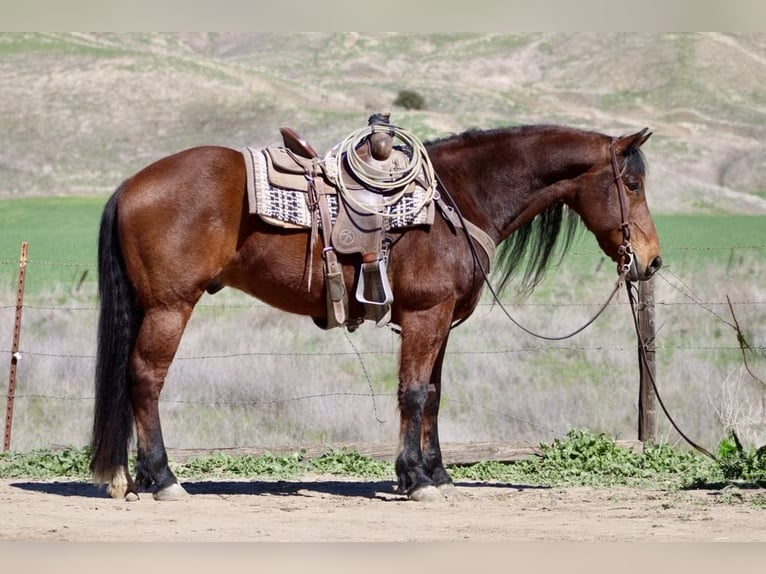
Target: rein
<point x="627" y="252"/>
<point x="642" y="352"/>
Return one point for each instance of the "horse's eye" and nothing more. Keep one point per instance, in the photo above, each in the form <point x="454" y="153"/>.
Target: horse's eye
<point x="633" y="185"/>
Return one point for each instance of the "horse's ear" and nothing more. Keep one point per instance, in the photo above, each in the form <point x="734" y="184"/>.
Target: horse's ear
<point x="641" y="138"/>
<point x="628" y="143"/>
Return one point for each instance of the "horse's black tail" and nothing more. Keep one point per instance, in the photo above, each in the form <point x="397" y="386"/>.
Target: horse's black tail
<point x="118" y="325"/>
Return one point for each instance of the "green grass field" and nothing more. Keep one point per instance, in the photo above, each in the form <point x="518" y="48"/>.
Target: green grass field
<point x="63" y="233"/>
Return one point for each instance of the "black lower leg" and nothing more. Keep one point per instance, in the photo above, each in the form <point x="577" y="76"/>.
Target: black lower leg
<point x="432" y="454"/>
<point x="152" y="460"/>
<point x="410" y="471"/>
<point x="152" y="468"/>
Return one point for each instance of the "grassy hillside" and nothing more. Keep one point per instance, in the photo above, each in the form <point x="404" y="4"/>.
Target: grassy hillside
<point x="79" y="112"/>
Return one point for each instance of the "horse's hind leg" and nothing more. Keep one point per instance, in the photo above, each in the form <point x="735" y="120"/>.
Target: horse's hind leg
<point x="158" y="340"/>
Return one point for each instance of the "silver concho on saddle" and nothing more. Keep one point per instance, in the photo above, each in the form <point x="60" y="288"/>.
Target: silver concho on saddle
<point x="364" y="187"/>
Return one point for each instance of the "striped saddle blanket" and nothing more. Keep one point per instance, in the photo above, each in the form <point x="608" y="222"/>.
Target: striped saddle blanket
<point x="278" y="190"/>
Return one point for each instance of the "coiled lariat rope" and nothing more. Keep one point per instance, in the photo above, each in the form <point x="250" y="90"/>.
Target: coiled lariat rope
<point x="391" y="184"/>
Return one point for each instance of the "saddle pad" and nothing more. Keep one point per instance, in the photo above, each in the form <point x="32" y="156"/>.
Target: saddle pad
<point x="289" y="207"/>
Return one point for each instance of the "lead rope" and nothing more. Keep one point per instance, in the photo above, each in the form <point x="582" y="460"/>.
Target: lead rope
<point x="627" y="252"/>
<point x="642" y="351"/>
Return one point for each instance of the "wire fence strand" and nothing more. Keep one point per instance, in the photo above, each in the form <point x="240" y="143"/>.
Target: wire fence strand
<point x="690" y="299"/>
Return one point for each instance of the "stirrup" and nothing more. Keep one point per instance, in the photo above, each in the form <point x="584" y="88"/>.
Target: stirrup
<point x="374" y="280"/>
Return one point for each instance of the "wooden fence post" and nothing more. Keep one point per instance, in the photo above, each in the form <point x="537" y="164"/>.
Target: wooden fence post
<point x="647" y="399"/>
<point x="15" y="347"/>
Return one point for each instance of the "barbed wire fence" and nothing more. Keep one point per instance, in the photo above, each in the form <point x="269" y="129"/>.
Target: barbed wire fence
<point x="306" y="377"/>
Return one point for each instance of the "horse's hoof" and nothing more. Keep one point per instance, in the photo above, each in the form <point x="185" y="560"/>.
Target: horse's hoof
<point x="171" y="492"/>
<point x="448" y="490"/>
<point x="128" y="494"/>
<point x="119" y="485"/>
<point x="116" y="490"/>
<point x="426" y="494"/>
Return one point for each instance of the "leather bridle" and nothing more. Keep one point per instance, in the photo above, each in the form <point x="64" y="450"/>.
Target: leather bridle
<point x="625" y="250"/>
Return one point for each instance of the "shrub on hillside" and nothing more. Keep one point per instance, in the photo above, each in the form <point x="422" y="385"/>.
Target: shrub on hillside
<point x="410" y="100"/>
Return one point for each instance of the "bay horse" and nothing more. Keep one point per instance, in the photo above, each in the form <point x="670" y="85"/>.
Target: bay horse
<point x="181" y="226"/>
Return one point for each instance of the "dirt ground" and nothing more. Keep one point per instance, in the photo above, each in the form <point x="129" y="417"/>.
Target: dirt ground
<point x="324" y="509"/>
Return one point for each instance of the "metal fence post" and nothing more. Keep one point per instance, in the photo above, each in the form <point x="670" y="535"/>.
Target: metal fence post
<point x="15" y="356"/>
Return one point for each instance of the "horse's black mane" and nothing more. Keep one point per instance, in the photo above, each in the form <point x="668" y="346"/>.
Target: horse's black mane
<point x="477" y="133"/>
<point x="530" y="251"/>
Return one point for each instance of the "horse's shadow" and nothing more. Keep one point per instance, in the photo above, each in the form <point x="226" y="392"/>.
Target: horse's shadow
<point x="378" y="489"/>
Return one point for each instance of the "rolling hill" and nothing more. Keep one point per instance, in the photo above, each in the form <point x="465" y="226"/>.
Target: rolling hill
<point x="80" y="112"/>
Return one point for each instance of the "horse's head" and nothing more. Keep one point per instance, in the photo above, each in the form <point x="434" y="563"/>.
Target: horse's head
<point x="613" y="206"/>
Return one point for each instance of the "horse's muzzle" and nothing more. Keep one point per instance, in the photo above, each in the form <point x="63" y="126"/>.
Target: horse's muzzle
<point x="653" y="267"/>
<point x="634" y="274"/>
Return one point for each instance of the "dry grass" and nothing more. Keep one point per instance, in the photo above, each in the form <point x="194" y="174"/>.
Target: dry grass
<point x="249" y="375"/>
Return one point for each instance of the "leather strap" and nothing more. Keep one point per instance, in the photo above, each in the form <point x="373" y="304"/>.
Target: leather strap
<point x="474" y="231"/>
<point x="482" y="239"/>
<point x="626" y="249"/>
<point x="337" y="299"/>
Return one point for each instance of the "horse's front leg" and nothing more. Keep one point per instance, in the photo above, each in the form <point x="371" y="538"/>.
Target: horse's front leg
<point x="424" y="335"/>
<point x="429" y="438"/>
<point x="157" y="342"/>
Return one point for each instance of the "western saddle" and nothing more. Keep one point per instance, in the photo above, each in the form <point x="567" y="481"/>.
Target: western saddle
<point x="361" y="189"/>
<point x="344" y="203"/>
